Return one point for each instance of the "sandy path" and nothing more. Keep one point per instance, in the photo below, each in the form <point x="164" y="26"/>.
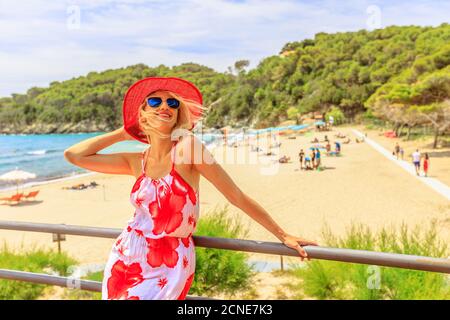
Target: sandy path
<point x="439" y="158"/>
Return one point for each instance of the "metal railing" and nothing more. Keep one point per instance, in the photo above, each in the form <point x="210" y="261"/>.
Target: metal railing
<point x="314" y="252"/>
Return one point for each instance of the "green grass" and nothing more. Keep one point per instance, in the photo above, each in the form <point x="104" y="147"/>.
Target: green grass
<point x="338" y="280"/>
<point x="37" y="260"/>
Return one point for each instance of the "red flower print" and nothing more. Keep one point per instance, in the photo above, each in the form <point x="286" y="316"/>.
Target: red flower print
<point x="139" y="232"/>
<point x="166" y="209"/>
<point x="121" y="249"/>
<point x="185" y="241"/>
<point x="162" y="251"/>
<point x="186" y="288"/>
<point x="122" y="278"/>
<point x="162" y="282"/>
<point x="182" y="188"/>
<point x="139" y="201"/>
<point x="137" y="184"/>
<point x="120" y="246"/>
<point x="129" y="229"/>
<point x="191" y="220"/>
<point x="133" y="298"/>
<point x="185" y="262"/>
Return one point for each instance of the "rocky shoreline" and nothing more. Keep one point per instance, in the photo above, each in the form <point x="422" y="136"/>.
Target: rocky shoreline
<point x="84" y="126"/>
<point x="46" y="128"/>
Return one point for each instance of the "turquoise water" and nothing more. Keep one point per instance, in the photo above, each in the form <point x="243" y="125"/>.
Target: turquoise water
<point x="43" y="154"/>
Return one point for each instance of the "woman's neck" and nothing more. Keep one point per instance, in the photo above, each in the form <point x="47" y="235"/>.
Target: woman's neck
<point x="160" y="146"/>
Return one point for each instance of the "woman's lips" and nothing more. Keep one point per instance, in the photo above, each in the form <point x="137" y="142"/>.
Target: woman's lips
<point x="165" y="115"/>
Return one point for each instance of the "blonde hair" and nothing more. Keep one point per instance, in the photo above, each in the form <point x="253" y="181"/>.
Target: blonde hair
<point x="190" y="111"/>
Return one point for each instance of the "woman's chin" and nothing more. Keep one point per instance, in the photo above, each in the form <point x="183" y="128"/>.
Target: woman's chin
<point x="165" y="127"/>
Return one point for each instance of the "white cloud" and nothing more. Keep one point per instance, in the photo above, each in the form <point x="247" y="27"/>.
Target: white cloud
<point x="37" y="47"/>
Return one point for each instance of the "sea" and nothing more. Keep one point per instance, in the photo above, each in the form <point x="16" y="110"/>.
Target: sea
<point x="43" y="155"/>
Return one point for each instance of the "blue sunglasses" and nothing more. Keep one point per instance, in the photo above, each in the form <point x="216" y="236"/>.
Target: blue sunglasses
<point x="155" y="102"/>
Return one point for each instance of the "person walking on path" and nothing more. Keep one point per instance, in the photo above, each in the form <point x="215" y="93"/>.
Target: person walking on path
<point x="426" y="163"/>
<point x="397" y="150"/>
<point x="416" y="160"/>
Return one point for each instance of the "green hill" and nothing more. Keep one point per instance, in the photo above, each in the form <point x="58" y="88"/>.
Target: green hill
<point x="357" y="72"/>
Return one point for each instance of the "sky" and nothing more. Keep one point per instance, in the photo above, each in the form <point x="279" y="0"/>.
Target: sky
<point x="43" y="41"/>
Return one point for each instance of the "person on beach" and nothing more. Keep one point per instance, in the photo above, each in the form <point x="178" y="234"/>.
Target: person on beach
<point x="426" y="163"/>
<point x="154" y="256"/>
<point x="402" y="152"/>
<point x="416" y="160"/>
<point x="301" y="155"/>
<point x="312" y="155"/>
<point x="308" y="163"/>
<point x="317" y="157"/>
<point x="284" y="159"/>
<point x="338" y="147"/>
<point x="397" y="150"/>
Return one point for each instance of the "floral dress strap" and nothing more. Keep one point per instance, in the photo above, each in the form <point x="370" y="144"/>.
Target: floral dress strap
<point x="172" y="156"/>
<point x="143" y="159"/>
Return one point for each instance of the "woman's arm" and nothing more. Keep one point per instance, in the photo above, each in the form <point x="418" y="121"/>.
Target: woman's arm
<point x="212" y="171"/>
<point x="84" y="154"/>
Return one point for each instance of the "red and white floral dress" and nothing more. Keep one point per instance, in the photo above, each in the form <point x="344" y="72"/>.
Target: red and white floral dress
<point x="154" y="256"/>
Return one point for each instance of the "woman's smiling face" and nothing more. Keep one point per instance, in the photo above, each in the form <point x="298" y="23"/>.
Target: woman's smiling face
<point x="164" y="115"/>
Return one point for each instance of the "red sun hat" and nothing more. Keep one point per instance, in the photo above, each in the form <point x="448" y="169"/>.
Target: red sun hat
<point x="139" y="90"/>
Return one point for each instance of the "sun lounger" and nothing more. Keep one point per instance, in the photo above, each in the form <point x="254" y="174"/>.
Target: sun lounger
<point x="32" y="194"/>
<point x="14" y="198"/>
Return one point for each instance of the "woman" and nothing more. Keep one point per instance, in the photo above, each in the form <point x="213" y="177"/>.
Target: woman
<point x="317" y="154"/>
<point x="301" y="155"/>
<point x="426" y="163"/>
<point x="313" y="158"/>
<point x="154" y="256"/>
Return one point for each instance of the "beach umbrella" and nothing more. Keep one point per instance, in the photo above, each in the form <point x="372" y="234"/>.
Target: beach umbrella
<point x="17" y="175"/>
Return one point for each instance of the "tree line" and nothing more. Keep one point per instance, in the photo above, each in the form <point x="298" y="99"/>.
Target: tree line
<point x="398" y="74"/>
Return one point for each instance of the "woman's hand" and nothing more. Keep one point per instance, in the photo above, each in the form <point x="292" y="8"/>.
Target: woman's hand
<point x="297" y="243"/>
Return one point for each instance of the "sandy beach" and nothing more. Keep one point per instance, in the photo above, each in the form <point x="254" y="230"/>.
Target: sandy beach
<point x="360" y="186"/>
<point x="439" y="158"/>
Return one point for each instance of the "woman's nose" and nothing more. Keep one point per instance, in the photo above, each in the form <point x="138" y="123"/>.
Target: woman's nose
<point x="163" y="105"/>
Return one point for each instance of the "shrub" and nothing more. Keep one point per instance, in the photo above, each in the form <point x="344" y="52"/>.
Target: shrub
<point x="36" y="260"/>
<point x="337" y="114"/>
<point x="217" y="270"/>
<point x="338" y="280"/>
